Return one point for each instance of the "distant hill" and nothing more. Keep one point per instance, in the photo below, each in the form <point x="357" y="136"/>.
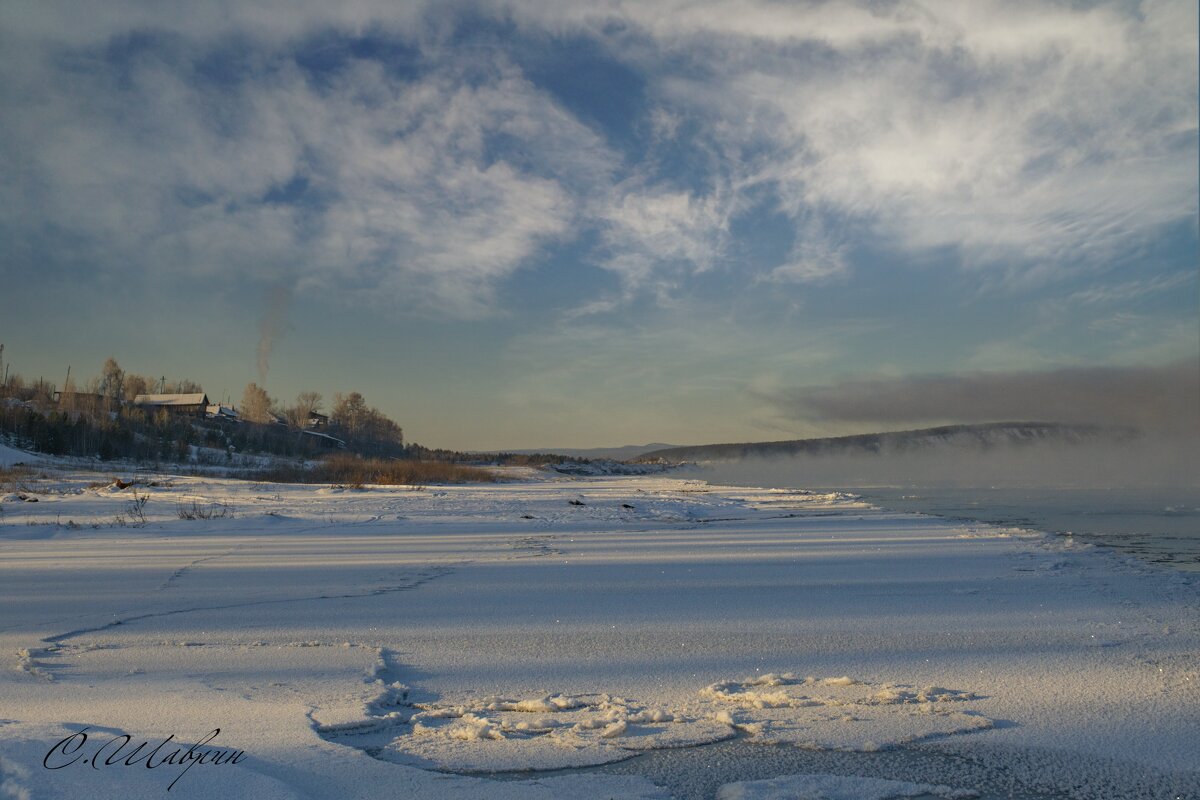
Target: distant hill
<point x="627" y="453"/>
<point x="981" y="436"/>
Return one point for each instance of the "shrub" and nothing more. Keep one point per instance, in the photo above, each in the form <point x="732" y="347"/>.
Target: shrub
<point x="210" y="511"/>
<point x="356" y="473"/>
<point x="15" y="477"/>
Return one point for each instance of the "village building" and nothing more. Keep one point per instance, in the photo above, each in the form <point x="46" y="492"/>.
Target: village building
<point x="191" y="405"/>
<point x="221" y="412"/>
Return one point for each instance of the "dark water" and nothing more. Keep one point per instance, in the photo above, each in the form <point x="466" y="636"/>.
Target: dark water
<point x="1157" y="525"/>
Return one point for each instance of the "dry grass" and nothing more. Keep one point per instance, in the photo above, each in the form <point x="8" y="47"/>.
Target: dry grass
<point x="356" y="473"/>
<point x="14" y="478"/>
<point x="121" y="485"/>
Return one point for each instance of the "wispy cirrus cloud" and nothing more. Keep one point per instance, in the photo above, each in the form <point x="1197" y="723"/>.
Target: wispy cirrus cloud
<point x="654" y="238"/>
<point x="1033" y="140"/>
<point x="412" y="190"/>
<point x="1123" y="291"/>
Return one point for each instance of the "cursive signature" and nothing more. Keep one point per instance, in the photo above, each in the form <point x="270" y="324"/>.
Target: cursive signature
<point x="116" y="751"/>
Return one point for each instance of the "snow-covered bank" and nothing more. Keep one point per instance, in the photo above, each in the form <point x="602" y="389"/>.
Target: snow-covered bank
<point x="353" y="642"/>
<point x="11" y="455"/>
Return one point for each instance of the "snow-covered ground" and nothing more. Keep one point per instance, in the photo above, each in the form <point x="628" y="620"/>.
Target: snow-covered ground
<point x="693" y="640"/>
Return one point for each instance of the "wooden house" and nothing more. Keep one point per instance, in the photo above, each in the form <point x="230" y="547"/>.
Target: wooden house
<point x="190" y="405"/>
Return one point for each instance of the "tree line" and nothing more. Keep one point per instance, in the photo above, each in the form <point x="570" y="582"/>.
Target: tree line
<point x="97" y="417"/>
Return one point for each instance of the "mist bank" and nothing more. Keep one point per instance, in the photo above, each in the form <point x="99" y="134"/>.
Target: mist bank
<point x="1016" y="455"/>
<point x="969" y="436"/>
<point x="1163" y="398"/>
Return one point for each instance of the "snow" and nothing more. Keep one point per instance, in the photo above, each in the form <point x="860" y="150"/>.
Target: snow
<point x="11" y="455"/>
<point x="568" y="732"/>
<point x="828" y="713"/>
<point x="453" y="641"/>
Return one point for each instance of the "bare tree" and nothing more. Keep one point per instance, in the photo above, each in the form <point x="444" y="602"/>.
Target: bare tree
<point x="349" y="413"/>
<point x="307" y="403"/>
<point x="112" y="382"/>
<point x="183" y="386"/>
<point x="15" y="387"/>
<point x="43" y="393"/>
<point x="66" y="397"/>
<point x="355" y="419"/>
<point x="137" y="384"/>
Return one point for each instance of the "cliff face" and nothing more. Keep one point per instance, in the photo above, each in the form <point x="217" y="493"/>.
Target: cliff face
<point x="982" y="437"/>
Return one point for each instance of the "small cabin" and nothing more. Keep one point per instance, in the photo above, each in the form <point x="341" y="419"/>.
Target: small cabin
<point x="187" y="405"/>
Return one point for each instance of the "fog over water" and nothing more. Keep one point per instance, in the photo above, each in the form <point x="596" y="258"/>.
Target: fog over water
<point x="1161" y="399"/>
<point x="1146" y="461"/>
<point x="1140" y="496"/>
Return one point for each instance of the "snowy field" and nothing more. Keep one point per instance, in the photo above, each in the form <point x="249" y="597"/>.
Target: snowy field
<point x="587" y="637"/>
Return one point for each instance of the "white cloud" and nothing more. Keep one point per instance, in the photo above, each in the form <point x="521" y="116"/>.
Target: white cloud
<point x="1030" y="138"/>
<point x="156" y="170"/>
<point x="649" y="231"/>
<point x="817" y="255"/>
<point x="1107" y="294"/>
<point x="1027" y="137"/>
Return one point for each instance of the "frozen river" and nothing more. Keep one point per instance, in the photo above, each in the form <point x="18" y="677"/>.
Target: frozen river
<point x="608" y="637"/>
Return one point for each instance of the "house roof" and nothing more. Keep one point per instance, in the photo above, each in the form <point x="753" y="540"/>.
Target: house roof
<point x="93" y="395"/>
<point x="325" y="436"/>
<point x="171" y="399"/>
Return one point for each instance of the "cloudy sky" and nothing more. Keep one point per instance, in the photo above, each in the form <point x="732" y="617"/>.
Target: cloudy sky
<point x="553" y="223"/>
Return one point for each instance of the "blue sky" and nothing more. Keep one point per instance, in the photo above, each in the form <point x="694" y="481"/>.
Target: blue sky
<point x="534" y="224"/>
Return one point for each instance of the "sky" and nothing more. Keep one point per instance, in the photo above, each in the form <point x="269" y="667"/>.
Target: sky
<point x="546" y="223"/>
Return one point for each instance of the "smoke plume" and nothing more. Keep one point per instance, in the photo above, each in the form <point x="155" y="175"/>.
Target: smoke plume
<point x="272" y="327"/>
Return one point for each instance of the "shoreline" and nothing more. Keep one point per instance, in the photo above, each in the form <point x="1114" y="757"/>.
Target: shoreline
<point x="1143" y="533"/>
<point x="1157" y="525"/>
